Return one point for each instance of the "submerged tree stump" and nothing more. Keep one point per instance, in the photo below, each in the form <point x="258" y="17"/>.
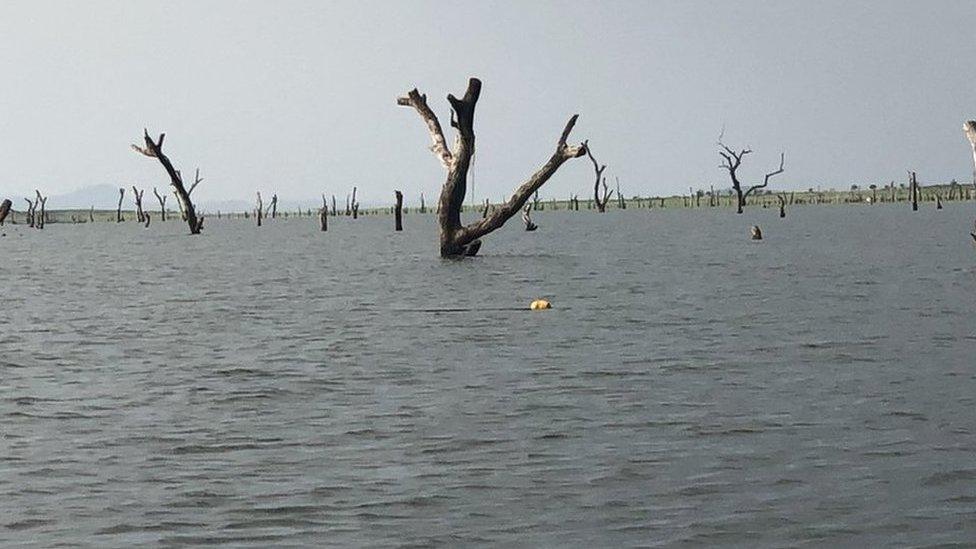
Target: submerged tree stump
<point x="756" y="232"/>
<point x="529" y="225"/>
<point x="324" y="214"/>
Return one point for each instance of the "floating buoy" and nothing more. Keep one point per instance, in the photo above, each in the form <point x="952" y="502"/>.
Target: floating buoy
<point x="540" y="304"/>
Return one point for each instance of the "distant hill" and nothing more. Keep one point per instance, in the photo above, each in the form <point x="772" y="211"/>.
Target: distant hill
<point x="103" y="197"/>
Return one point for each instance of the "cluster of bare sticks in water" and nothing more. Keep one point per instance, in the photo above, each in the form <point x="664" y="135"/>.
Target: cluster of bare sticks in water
<point x="458" y="239"/>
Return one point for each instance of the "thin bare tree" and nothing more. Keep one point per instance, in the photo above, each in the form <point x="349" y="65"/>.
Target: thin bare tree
<point x="970" y="128"/>
<point x="324" y="215"/>
<point x="5" y="209"/>
<point x="118" y="211"/>
<point x="782" y="205"/>
<point x="137" y="197"/>
<point x="42" y="202"/>
<point x="731" y="160"/>
<point x="30" y="212"/>
<point x="398" y="212"/>
<point x="273" y="208"/>
<point x="162" y="204"/>
<point x="154" y="149"/>
<point x="355" y="205"/>
<point x="599" y="199"/>
<point x="259" y="209"/>
<point x="527" y="219"/>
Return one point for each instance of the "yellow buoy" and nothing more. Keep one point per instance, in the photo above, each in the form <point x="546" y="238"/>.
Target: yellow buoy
<point x="540" y="304"/>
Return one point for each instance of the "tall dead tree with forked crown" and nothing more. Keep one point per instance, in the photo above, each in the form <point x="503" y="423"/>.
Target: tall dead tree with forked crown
<point x="457" y="239"/>
<point x="42" y="203"/>
<point x="731" y="160"/>
<point x="137" y="197"/>
<point x="162" y="204"/>
<point x="154" y="149"/>
<point x="601" y="202"/>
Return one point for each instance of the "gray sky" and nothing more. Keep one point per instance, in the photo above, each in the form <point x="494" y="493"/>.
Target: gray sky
<point x="299" y="97"/>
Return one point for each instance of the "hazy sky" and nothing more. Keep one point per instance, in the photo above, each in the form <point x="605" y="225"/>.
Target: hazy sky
<point x="299" y="97"/>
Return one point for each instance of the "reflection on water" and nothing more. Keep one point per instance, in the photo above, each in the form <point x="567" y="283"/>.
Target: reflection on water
<point x="286" y="386"/>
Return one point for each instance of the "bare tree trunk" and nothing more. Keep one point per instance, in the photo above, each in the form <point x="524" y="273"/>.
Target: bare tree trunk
<point x="457" y="239"/>
<point x="154" y="149"/>
<point x="162" y="204"/>
<point x="913" y="190"/>
<point x="118" y="211"/>
<point x="42" y="202"/>
<point x="5" y="209"/>
<point x="782" y="205"/>
<point x="145" y="216"/>
<point x="970" y="128"/>
<point x="601" y="203"/>
<point x="30" y="213"/>
<point x="259" y="210"/>
<point x="138" y="200"/>
<point x="324" y="215"/>
<point x="731" y="162"/>
<point x="91" y="214"/>
<point x="621" y="201"/>
<point x="274" y="206"/>
<point x="423" y="206"/>
<point x="529" y="225"/>
<point x="398" y="212"/>
<point x="355" y="205"/>
<point x="334" y="210"/>
<point x="938" y="201"/>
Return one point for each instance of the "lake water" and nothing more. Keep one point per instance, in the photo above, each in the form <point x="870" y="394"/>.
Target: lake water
<point x="283" y="386"/>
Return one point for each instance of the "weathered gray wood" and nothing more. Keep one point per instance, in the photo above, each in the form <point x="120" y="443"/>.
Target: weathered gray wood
<point x="137" y="197"/>
<point x="324" y="214"/>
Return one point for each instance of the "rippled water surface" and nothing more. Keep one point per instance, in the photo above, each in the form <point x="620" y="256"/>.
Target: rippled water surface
<point x="281" y="386"/>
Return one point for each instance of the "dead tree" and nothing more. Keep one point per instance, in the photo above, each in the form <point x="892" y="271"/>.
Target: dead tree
<point x="137" y="196"/>
<point x="348" y="206"/>
<point x="5" y="209"/>
<point x="457" y="239"/>
<point x="731" y="162"/>
<point x="486" y="209"/>
<point x="274" y="206"/>
<point x="535" y="201"/>
<point x="162" y="204"/>
<point x="398" y="212"/>
<point x="91" y="214"/>
<point x="621" y="201"/>
<point x="154" y="149"/>
<point x="970" y="128"/>
<point x="355" y="205"/>
<point x="601" y="203"/>
<point x="42" y="202"/>
<point x="145" y="217"/>
<point x="938" y="201"/>
<point x="529" y="225"/>
<point x="913" y="190"/>
<point x="334" y="211"/>
<point x="118" y="211"/>
<point x="259" y="210"/>
<point x="782" y="205"/>
<point x="324" y="215"/>
<point x="423" y="206"/>
<point x="30" y="213"/>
